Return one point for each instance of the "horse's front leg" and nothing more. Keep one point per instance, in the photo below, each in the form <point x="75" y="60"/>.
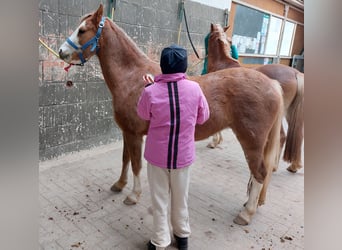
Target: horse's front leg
<point x="121" y="183"/>
<point x="134" y="145"/>
<point x="217" y="139"/>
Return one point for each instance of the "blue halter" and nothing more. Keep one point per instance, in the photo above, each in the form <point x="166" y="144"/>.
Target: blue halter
<point x="93" y="42"/>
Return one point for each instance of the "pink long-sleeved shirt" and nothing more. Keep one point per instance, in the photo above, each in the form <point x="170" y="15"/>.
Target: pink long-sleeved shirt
<point x="173" y="105"/>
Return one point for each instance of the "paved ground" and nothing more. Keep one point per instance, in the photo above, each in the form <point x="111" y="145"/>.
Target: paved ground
<point x="78" y="210"/>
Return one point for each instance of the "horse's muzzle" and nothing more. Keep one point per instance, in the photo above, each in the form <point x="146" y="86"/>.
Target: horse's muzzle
<point x="62" y="55"/>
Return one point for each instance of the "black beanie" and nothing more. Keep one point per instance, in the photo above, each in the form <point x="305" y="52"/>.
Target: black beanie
<point x="173" y="59"/>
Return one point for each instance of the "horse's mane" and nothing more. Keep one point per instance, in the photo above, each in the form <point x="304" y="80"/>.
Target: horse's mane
<point x="124" y="35"/>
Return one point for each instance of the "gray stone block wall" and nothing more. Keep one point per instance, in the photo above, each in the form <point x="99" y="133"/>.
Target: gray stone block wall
<point x="80" y="117"/>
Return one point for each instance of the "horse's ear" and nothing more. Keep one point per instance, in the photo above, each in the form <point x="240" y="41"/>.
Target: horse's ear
<point x="98" y="15"/>
<point x="226" y="28"/>
<point x="211" y="27"/>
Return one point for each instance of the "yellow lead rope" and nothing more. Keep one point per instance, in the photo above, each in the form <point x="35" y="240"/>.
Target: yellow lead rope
<point x="46" y="46"/>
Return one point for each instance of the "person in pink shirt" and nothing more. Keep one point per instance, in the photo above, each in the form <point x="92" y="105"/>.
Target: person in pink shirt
<point x="173" y="105"/>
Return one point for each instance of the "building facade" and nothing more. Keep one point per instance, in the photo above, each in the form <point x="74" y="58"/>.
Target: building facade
<point x="268" y="31"/>
<point x="77" y="117"/>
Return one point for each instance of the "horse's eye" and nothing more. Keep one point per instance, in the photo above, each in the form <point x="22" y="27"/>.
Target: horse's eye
<point x="81" y="31"/>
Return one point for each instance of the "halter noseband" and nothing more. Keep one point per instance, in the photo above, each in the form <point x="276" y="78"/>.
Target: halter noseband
<point x="92" y="42"/>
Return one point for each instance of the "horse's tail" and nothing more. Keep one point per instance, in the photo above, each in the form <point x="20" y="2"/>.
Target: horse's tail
<point x="295" y="119"/>
<point x="272" y="148"/>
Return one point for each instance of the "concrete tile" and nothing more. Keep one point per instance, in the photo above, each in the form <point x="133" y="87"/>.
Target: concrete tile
<point x="78" y="210"/>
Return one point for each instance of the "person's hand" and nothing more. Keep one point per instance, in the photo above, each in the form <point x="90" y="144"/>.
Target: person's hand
<point x="148" y="79"/>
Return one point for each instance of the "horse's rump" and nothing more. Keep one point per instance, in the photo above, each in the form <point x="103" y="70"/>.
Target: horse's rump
<point x="286" y="77"/>
<point x="238" y="97"/>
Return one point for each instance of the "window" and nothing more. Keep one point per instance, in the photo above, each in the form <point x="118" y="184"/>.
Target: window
<point x="257" y="32"/>
<point x="286" y="43"/>
<point x="273" y="36"/>
<point x="250" y="29"/>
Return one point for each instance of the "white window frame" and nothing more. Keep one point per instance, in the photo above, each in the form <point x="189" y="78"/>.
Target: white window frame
<point x="286" y="42"/>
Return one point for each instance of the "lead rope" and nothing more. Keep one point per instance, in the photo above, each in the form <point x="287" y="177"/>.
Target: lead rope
<point x="68" y="83"/>
<point x="54" y="53"/>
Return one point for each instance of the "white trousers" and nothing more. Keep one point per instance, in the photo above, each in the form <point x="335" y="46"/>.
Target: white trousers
<point x="165" y="184"/>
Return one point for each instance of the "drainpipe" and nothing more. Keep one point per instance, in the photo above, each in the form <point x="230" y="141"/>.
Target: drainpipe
<point x="286" y="11"/>
<point x="226" y="13"/>
<point x="180" y="18"/>
<point x="111" y="8"/>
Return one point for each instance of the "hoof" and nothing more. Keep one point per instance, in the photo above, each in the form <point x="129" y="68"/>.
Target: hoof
<point x="291" y="170"/>
<point x="130" y="201"/>
<point x="211" y="145"/>
<point x="240" y="220"/>
<point x="261" y="202"/>
<point x="294" y="167"/>
<point x="115" y="188"/>
<point x="275" y="169"/>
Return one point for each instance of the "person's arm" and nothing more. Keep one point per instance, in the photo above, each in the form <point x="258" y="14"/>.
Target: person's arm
<point x="203" y="112"/>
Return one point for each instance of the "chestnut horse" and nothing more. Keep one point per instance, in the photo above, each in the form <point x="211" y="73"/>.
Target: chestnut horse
<point x="245" y="100"/>
<point x="291" y="81"/>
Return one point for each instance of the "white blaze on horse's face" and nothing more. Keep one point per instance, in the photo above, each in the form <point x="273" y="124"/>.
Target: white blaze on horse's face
<point x="66" y="50"/>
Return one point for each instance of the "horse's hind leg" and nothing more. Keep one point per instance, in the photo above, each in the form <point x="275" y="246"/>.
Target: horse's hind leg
<point x="134" y="145"/>
<point x="245" y="216"/>
<point x="257" y="186"/>
<point x="295" y="166"/>
<point x="261" y="153"/>
<point x="121" y="183"/>
<point x="295" y="132"/>
<point x="282" y="142"/>
<point x="271" y="154"/>
<point x="263" y="191"/>
<point x="254" y="156"/>
<point x="296" y="161"/>
<point x="260" y="160"/>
